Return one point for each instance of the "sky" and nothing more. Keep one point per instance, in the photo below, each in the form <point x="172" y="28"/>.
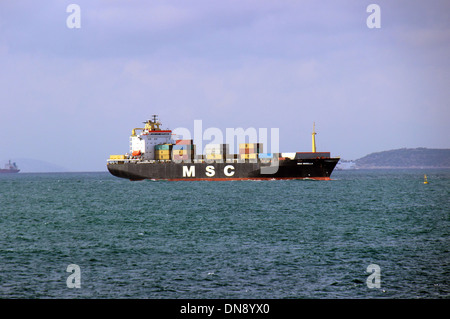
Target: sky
<point x="70" y="96"/>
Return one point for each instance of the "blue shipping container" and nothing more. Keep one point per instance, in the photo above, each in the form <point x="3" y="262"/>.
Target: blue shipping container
<point x="183" y="147"/>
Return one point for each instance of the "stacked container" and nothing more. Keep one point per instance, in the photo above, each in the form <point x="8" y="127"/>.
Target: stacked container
<point x="250" y="150"/>
<point x="183" y="150"/>
<point x="162" y="151"/>
<point x="117" y="157"/>
<point x="265" y="155"/>
<point x="184" y="142"/>
<point x="216" y="151"/>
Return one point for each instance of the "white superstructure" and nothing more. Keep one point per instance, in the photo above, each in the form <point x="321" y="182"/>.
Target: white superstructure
<point x="143" y="144"/>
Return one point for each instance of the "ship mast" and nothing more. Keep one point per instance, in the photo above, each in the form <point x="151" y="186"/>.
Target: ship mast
<point x="314" y="138"/>
<point x="153" y="125"/>
<point x="149" y="126"/>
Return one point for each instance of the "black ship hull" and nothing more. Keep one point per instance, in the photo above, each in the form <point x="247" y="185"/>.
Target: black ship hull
<point x="317" y="168"/>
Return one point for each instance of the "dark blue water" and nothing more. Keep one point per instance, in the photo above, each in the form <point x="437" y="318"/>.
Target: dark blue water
<point x="241" y="239"/>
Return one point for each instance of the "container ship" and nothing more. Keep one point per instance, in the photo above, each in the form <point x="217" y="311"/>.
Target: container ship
<point x="10" y="168"/>
<point x="157" y="154"/>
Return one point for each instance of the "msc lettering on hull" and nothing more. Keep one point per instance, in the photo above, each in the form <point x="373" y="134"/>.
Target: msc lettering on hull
<point x="189" y="172"/>
<point x="210" y="171"/>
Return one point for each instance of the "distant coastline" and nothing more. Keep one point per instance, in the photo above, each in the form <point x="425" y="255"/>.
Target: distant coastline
<point x="412" y="158"/>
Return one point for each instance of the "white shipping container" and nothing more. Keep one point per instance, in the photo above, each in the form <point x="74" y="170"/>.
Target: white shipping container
<point x="288" y="155"/>
<point x="216" y="149"/>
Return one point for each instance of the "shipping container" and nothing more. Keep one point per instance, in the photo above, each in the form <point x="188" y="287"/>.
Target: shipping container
<point x="247" y="151"/>
<point x="162" y="152"/>
<point x="288" y="155"/>
<point x="248" y="156"/>
<point x="183" y="147"/>
<point x="184" y="142"/>
<point x="183" y="152"/>
<point x="162" y="157"/>
<point x="251" y="145"/>
<point x="181" y="157"/>
<point x="214" y="156"/>
<point x="216" y="149"/>
<point x="163" y="147"/>
<point x="250" y="148"/>
<point x="265" y="155"/>
<point x="117" y="157"/>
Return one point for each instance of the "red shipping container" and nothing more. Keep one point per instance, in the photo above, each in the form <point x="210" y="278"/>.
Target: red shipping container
<point x="180" y="157"/>
<point x="184" y="142"/>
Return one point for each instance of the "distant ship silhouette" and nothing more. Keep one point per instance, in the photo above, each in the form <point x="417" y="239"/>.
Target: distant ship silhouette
<point x="10" y="168"/>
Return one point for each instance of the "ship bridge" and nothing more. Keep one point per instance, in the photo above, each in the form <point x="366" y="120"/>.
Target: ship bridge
<point x="143" y="144"/>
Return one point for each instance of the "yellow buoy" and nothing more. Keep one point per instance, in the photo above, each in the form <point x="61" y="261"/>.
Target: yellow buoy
<point x="425" y="180"/>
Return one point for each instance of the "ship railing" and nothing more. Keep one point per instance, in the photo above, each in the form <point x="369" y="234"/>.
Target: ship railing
<point x="122" y="161"/>
<point x="229" y="161"/>
<point x="129" y="160"/>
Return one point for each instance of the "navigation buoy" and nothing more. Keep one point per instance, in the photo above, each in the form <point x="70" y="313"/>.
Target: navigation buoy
<point x="425" y="180"/>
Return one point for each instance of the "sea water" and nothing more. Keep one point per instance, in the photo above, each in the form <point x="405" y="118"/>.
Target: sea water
<point x="236" y="239"/>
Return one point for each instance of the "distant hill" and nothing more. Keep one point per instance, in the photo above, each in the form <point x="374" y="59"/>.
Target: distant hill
<point x="406" y="158"/>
